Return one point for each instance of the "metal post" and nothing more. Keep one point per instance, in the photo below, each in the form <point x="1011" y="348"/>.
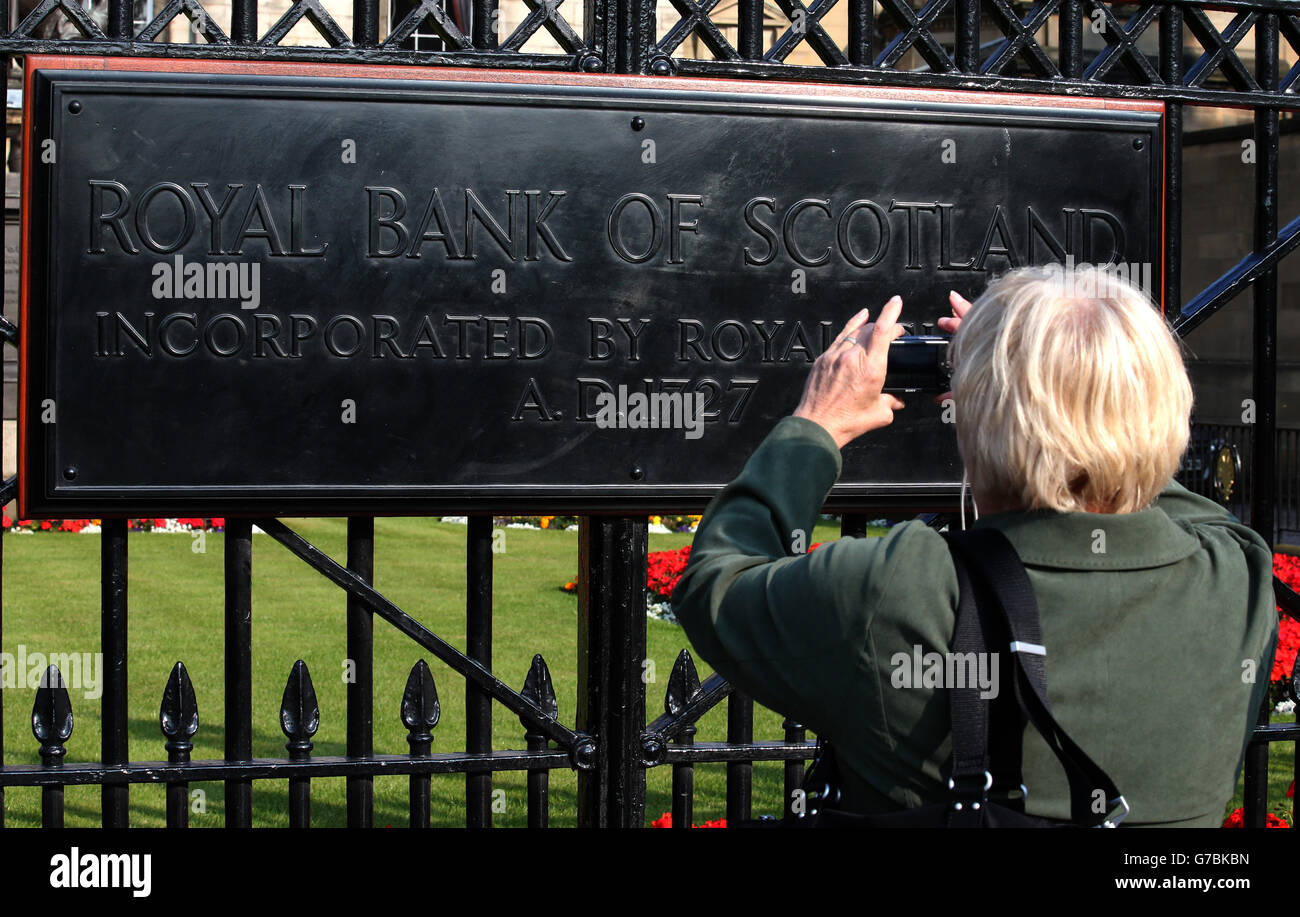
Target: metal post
<point x="239" y="666"/>
<point x="967" y="52"/>
<point x="636" y="26"/>
<point x="751" y="29"/>
<point x="484" y="24"/>
<point x="365" y="23"/>
<point x="794" y="768"/>
<point x="113" y="736"/>
<point x="120" y="25"/>
<point x="243" y="22"/>
<point x="1263" y="502"/>
<point x="684" y="783"/>
<point x="1171" y="71"/>
<point x="478" y="704"/>
<point x="611" y="652"/>
<point x="1071" y="26"/>
<point x="360" y="692"/>
<point x="861" y="29"/>
<point x="740" y="774"/>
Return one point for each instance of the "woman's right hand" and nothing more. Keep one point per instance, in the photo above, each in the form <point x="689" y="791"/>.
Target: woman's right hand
<point x="960" y="306"/>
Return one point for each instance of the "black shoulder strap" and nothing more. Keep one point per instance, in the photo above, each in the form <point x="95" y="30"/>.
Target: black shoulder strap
<point x="970" y="714"/>
<point x="987" y="736"/>
<point x="991" y="576"/>
<point x="969" y="779"/>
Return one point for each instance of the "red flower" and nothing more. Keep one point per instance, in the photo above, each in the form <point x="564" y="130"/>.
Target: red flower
<point x="664" y="569"/>
<point x="666" y="821"/>
<point x="8" y="523"/>
<point x="1237" y="819"/>
<point x="1287" y="569"/>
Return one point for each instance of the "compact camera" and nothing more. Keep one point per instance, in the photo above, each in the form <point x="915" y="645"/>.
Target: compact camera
<point x="918" y="363"/>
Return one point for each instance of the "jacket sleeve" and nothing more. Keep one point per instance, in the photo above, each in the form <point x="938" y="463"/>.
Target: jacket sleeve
<point x="784" y="626"/>
<point x="1210" y="521"/>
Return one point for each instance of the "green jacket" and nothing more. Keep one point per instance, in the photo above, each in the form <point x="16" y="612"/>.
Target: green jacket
<point x="1159" y="625"/>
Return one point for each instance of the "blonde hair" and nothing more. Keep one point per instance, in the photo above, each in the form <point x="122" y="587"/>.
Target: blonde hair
<point x="1070" y="392"/>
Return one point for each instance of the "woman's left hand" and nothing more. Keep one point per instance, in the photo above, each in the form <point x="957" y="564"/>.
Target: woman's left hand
<point x="844" y="391"/>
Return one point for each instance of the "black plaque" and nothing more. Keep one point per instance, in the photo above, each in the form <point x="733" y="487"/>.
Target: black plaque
<point x="342" y="337"/>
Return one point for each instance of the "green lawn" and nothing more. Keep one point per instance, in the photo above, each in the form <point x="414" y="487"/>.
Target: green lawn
<point x="51" y="604"/>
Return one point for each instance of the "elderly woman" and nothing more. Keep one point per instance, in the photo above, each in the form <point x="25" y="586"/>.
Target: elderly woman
<point x="1072" y="407"/>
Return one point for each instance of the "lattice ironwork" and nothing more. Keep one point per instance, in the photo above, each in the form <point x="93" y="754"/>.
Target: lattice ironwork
<point x="805" y="27"/>
<point x="204" y="24"/>
<point x="1020" y="41"/>
<point x="436" y="15"/>
<point x="695" y="18"/>
<point x="544" y="14"/>
<point x="314" y="13"/>
<point x="916" y="31"/>
<point x="1221" y="49"/>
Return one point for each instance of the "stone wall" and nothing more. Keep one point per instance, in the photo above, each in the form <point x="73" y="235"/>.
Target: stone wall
<point x="1218" y="229"/>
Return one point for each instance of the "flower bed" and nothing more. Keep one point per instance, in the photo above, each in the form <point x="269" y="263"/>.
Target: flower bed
<point x="663" y="571"/>
<point x="1287" y="569"/>
<point x="1238" y="820"/>
<point x="659" y="525"/>
<point x="90" y="526"/>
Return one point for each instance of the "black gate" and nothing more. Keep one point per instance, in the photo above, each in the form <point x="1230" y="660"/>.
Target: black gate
<point x="939" y="44"/>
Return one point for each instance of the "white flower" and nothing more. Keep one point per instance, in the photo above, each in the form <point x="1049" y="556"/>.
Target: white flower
<point x="1286" y="706"/>
<point x="660" y="610"/>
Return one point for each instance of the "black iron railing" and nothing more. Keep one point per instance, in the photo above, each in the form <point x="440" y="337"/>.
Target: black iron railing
<point x="1199" y="467"/>
<point x="888" y="42"/>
